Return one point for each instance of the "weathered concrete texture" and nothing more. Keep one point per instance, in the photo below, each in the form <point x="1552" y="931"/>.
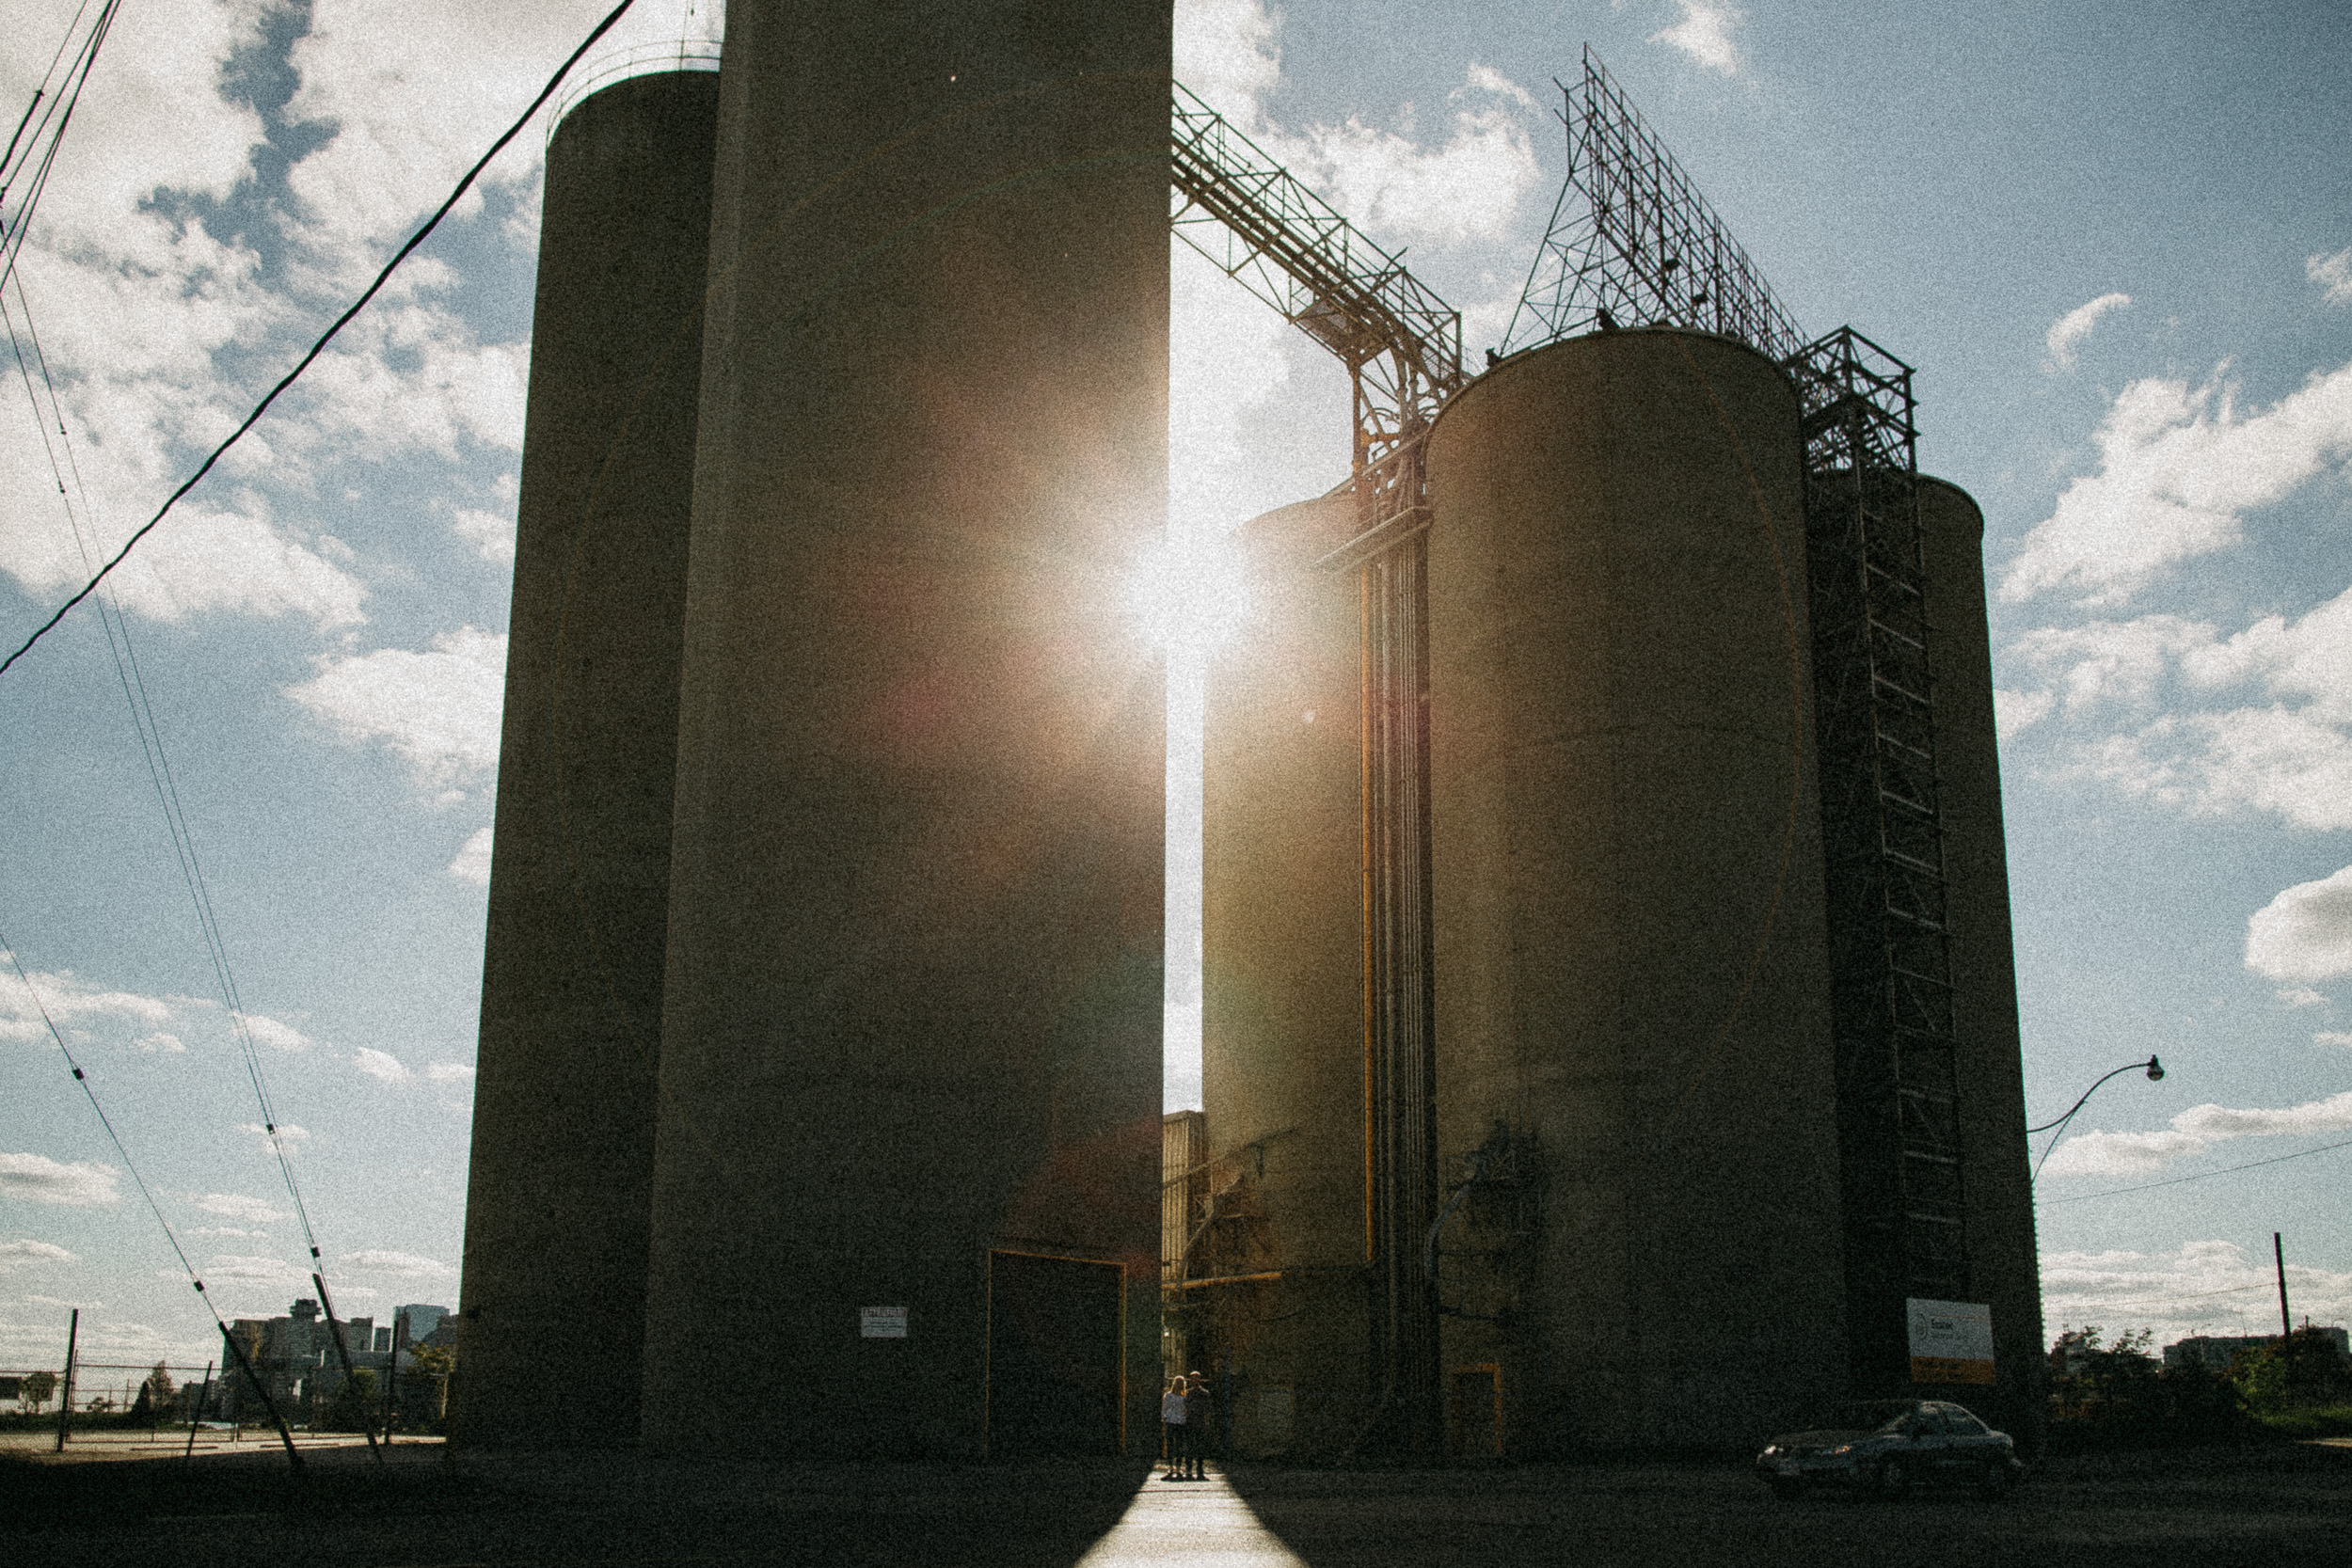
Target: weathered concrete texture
<point x="1282" y="1002"/>
<point x="914" y="994"/>
<point x="560" y="1186"/>
<point x="1631" y="955"/>
<point x="2003" y="1267"/>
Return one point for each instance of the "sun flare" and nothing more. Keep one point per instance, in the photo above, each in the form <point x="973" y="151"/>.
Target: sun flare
<point x="1191" y="594"/>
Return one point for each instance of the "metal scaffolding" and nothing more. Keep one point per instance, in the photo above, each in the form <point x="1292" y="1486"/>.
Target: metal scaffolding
<point x="1882" y="840"/>
<point x="1631" y="243"/>
<point x="1402" y="348"/>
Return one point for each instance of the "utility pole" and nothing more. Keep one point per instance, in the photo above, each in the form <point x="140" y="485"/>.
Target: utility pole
<point x="2286" y="1324"/>
<point x="65" y="1406"/>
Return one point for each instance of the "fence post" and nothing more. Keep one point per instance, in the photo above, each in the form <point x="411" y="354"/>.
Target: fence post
<point x="65" y="1406"/>
<point x="195" y="1411"/>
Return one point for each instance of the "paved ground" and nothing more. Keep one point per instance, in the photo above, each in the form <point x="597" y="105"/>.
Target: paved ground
<point x="2274" y="1507"/>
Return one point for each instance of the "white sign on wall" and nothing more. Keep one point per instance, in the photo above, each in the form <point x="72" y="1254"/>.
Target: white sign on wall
<point x="882" y="1323"/>
<point x="1951" y="1342"/>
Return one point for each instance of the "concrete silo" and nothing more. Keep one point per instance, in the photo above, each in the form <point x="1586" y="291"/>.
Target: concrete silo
<point x="560" y="1193"/>
<point x="907" y="1167"/>
<point x="2003" y="1269"/>
<point x="1633" y="1046"/>
<point x="1282" y="1002"/>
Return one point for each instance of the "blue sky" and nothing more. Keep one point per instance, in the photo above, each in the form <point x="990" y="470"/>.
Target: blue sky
<point x="2118" y="251"/>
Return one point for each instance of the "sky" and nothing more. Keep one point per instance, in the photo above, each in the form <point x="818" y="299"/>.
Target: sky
<point x="2119" y="257"/>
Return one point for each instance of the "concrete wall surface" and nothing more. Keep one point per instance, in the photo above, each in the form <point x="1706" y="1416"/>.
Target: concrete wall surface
<point x="913" y="994"/>
<point x="559" y="1195"/>
<point x="2003" y="1267"/>
<point x="1631" y="970"/>
<point x="1282" y="997"/>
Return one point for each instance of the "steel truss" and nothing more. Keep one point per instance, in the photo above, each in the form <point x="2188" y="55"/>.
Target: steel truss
<point x="1631" y="243"/>
<point x="1403" y="349"/>
<point x="1890" y="948"/>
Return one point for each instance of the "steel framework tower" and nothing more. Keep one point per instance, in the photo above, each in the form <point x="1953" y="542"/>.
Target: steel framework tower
<point x="1632" y="241"/>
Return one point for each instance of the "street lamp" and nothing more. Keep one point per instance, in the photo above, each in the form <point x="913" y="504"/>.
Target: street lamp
<point x="2156" y="1074"/>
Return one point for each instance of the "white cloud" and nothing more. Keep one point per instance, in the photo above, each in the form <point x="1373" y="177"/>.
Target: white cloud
<point x="2193" y="1131"/>
<point x="406" y="1266"/>
<point x="1394" y="188"/>
<point x="1226" y="54"/>
<point x="25" y="1251"/>
<point x="69" y="1000"/>
<point x="472" y="861"/>
<point x="2287" y="752"/>
<point x="1704" y="34"/>
<point x="2305" y="933"/>
<point x="38" y="1178"/>
<point x="236" y="1206"/>
<point x="381" y="1066"/>
<point x="2302" y="996"/>
<point x="2209" y="1287"/>
<point x="491" y="534"/>
<point x="161" y="1043"/>
<point x="2333" y="273"/>
<point x="2067" y="333"/>
<point x="2331" y="1037"/>
<point x="2178" y="469"/>
<point x="246" y="1269"/>
<point x="2015" y="712"/>
<point x="438" y="709"/>
<point x="449" y="1073"/>
<point x="272" y="1033"/>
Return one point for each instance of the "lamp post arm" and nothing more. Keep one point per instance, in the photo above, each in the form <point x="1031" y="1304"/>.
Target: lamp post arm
<point x="2149" y="1065"/>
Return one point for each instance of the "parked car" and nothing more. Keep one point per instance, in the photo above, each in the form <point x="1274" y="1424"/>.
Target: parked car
<point x="1888" y="1446"/>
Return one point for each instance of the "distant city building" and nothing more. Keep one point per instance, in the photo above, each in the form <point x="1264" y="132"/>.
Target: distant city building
<point x="422" y="1319"/>
<point x="2217" y="1351"/>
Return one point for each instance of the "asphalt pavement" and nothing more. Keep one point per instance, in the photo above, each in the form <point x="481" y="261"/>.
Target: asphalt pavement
<point x="2275" y="1507"/>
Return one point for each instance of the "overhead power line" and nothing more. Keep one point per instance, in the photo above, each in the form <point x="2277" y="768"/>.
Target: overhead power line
<point x="325" y="338"/>
<point x="2200" y="1175"/>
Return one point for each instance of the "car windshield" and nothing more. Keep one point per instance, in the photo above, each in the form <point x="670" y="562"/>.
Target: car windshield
<point x="1869" y="1416"/>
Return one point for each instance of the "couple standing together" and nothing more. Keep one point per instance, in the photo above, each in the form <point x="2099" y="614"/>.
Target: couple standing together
<point x="1185" y="1414"/>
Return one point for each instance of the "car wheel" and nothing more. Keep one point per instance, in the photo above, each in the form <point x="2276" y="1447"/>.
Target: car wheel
<point x="1894" y="1477"/>
<point x="1993" y="1482"/>
<point x="1786" y="1487"/>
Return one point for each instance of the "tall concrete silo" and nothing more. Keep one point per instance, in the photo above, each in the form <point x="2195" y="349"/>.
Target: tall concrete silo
<point x="560" y="1194"/>
<point x="2003" y="1269"/>
<point x="906" y="1182"/>
<point x="1283" y="1243"/>
<point x="1634" y="1043"/>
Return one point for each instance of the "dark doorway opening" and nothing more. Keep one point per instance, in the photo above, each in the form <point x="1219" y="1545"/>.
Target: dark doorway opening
<point x="1056" y="1355"/>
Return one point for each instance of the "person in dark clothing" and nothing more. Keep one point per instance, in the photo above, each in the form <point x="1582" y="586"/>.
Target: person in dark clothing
<point x="1197" y="1413"/>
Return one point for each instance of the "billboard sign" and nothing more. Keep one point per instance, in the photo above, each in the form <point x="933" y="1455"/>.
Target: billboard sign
<point x="882" y="1323"/>
<point x="1951" y="1342"/>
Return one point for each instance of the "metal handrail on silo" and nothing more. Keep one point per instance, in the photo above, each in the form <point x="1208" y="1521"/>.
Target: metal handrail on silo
<point x="639" y="59"/>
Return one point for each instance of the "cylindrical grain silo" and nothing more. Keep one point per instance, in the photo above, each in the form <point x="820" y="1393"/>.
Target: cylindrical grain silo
<point x="559" y="1192"/>
<point x="1633" y="1035"/>
<point x="1282" y="1000"/>
<point x="2002" y="1260"/>
<point x="905" y="1200"/>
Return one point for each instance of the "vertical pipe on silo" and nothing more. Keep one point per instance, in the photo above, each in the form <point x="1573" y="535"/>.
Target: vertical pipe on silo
<point x="559" y="1195"/>
<point x="913" y="996"/>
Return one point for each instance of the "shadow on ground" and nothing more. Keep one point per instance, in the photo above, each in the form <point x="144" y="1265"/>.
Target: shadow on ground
<point x="616" y="1508"/>
<point x="2257" y="1507"/>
